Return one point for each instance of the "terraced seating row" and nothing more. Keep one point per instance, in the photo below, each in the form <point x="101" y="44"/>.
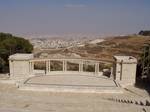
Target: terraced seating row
<point x="131" y="101"/>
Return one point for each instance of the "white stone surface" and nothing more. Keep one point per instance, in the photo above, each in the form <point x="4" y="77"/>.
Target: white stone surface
<point x="20" y="56"/>
<point x="125" y="59"/>
<point x="75" y="83"/>
<point x="125" y="70"/>
<point x="14" y="100"/>
<point x="72" y="80"/>
<point x="19" y="66"/>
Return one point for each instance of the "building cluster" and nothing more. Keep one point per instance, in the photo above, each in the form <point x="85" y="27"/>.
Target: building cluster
<point x="56" y="43"/>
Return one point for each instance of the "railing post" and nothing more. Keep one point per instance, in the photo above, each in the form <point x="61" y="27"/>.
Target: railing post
<point x="64" y="65"/>
<point x="81" y="66"/>
<point x="46" y="67"/>
<point x="111" y="74"/>
<point x="31" y="67"/>
<point x="96" y="68"/>
<point x="49" y="66"/>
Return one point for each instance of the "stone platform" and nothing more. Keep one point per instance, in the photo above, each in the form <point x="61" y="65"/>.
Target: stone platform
<point x="71" y="83"/>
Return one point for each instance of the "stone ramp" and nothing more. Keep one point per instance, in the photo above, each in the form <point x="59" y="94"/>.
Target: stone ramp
<point x="71" y="83"/>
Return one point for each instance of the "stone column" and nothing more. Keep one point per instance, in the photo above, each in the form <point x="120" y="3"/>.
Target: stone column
<point x="11" y="71"/>
<point x="49" y="66"/>
<point x="64" y="65"/>
<point x="31" y="67"/>
<point x="111" y="70"/>
<point x="96" y="68"/>
<point x="118" y="71"/>
<point x="81" y="66"/>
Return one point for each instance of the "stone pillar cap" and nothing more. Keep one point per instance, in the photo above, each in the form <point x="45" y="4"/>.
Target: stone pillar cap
<point x="21" y="56"/>
<point x="125" y="59"/>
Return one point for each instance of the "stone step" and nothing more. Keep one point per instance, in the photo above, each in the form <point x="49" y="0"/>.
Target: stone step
<point x="74" y="89"/>
<point x="141" y="102"/>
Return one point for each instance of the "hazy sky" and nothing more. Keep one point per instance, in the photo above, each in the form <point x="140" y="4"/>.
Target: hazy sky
<point x="50" y="17"/>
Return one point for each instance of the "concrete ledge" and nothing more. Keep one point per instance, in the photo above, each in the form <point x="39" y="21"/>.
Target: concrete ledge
<point x="71" y="89"/>
<point x="8" y="81"/>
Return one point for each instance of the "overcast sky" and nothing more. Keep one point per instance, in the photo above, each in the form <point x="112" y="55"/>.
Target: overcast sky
<point x="49" y="17"/>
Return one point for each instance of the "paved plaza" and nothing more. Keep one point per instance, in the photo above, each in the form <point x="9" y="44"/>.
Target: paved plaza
<point x="72" y="80"/>
<point x="72" y="83"/>
<point x="14" y="100"/>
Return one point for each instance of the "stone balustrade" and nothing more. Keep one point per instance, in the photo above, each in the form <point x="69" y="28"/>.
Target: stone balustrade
<point x="79" y="62"/>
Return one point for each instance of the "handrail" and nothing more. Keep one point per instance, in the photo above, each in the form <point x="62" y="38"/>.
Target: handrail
<point x="73" y="59"/>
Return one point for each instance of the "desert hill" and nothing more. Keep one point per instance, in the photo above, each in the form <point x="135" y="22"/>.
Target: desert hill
<point x="121" y="45"/>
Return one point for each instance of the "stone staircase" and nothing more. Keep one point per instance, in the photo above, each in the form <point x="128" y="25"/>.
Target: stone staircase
<point x="139" y="102"/>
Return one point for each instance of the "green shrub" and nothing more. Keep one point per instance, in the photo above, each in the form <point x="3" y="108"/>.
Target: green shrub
<point x="9" y="45"/>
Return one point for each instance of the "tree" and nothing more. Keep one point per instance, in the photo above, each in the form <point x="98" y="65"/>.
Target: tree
<point x="144" y="33"/>
<point x="2" y="64"/>
<point x="9" y="45"/>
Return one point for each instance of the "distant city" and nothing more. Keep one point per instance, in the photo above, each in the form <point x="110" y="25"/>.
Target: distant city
<point x="51" y="43"/>
<point x="62" y="41"/>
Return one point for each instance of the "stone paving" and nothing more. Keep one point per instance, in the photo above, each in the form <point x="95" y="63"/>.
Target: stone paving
<point x="131" y="100"/>
<point x="72" y="80"/>
<point x="71" y="83"/>
<point x="13" y="100"/>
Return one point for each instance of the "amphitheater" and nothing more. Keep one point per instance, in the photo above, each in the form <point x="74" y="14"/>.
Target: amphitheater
<point x="72" y="75"/>
<point x="71" y="85"/>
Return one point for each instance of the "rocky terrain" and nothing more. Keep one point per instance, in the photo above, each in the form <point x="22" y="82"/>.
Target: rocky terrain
<point x="98" y="48"/>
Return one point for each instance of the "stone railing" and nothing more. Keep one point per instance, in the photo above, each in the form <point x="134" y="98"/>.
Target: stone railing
<point x="79" y="62"/>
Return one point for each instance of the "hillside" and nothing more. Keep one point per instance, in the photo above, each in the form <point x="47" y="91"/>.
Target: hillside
<point x="125" y="45"/>
<point x="121" y="45"/>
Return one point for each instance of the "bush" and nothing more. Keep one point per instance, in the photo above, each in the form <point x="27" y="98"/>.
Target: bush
<point x="144" y="33"/>
<point x="9" y="45"/>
